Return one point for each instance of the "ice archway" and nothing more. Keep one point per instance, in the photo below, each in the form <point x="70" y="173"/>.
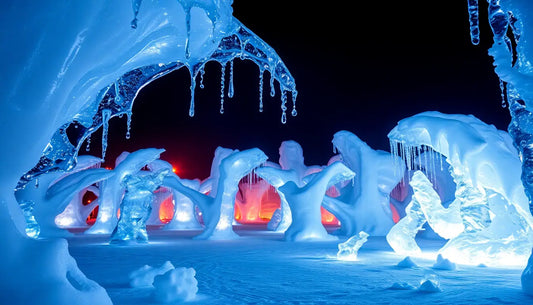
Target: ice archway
<point x="71" y="66"/>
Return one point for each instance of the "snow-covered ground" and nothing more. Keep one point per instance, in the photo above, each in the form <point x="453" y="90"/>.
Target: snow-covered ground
<point x="261" y="268"/>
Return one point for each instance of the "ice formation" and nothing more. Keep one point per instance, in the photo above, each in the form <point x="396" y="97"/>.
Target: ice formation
<point x="291" y="168"/>
<point x="218" y="211"/>
<point x="407" y="262"/>
<point x="444" y="263"/>
<point x="112" y="189"/>
<point x="348" y="249"/>
<point x="430" y="284"/>
<point x="176" y="285"/>
<point x="184" y="209"/>
<point x="77" y="212"/>
<point x="486" y="170"/>
<point x="136" y="205"/>
<point x="305" y="202"/>
<point x="52" y="50"/>
<point x="144" y="276"/>
<point x="425" y="206"/>
<point x="364" y="205"/>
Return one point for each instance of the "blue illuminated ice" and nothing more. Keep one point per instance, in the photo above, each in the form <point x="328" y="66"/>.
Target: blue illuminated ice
<point x="144" y="276"/>
<point x="176" y="286"/>
<point x="218" y="211"/>
<point x="305" y="202"/>
<point x="184" y="209"/>
<point x="137" y="205"/>
<point x="52" y="83"/>
<point x="348" y="250"/>
<point x="364" y="205"/>
<point x="486" y="170"/>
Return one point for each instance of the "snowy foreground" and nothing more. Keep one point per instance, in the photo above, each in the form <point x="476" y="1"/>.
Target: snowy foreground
<point x="261" y="268"/>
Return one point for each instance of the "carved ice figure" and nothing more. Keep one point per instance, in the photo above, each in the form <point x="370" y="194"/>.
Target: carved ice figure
<point x="305" y="203"/>
<point x="425" y="206"/>
<point x="50" y="195"/>
<point x="486" y="170"/>
<point x="136" y="205"/>
<point x="292" y="168"/>
<point x="348" y="250"/>
<point x="364" y="205"/>
<point x="112" y="189"/>
<point x="218" y="212"/>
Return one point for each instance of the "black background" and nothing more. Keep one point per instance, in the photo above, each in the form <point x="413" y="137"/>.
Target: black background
<point x="360" y="67"/>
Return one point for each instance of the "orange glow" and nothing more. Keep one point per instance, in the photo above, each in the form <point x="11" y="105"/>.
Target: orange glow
<point x="166" y="210"/>
<point x="328" y="218"/>
<point x="118" y="213"/>
<point x="91" y="219"/>
<point x="256" y="202"/>
<point x="174" y="170"/>
<point x="395" y="215"/>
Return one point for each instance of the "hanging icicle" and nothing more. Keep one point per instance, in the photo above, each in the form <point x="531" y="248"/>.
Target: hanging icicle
<point x="502" y="92"/>
<point x="230" y="86"/>
<point x="202" y="72"/>
<point x="106" y="116"/>
<point x="261" y="72"/>
<point x="294" y="94"/>
<point x="222" y="85"/>
<point x="272" y="88"/>
<point x="284" y="107"/>
<point x="473" y="16"/>
<point x="88" y="147"/>
<point x="193" y="87"/>
<point x="128" y="125"/>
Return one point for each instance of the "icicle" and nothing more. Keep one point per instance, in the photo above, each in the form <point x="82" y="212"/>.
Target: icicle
<point x="407" y="153"/>
<point x="128" y="125"/>
<point x="261" y="72"/>
<point x="37" y="183"/>
<point x="193" y="87"/>
<point x="202" y="72"/>
<point x="498" y="20"/>
<point x="473" y="16"/>
<point x="222" y="85"/>
<point x="334" y="149"/>
<point x="88" y="147"/>
<point x="293" y="96"/>
<point x="230" y="87"/>
<point x="188" y="26"/>
<point x="106" y="115"/>
<point x="284" y="107"/>
<point x="440" y="160"/>
<point x="272" y="88"/>
<point x="136" y="4"/>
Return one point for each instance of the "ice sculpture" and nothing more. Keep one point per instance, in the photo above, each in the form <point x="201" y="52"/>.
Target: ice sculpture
<point x="176" y="285"/>
<point x="305" y="203"/>
<point x="348" y="249"/>
<point x="144" y="276"/>
<point x="364" y="205"/>
<point x="136" y="205"/>
<point x="43" y="202"/>
<point x="256" y="201"/>
<point x="486" y="171"/>
<point x="77" y="211"/>
<point x="425" y="206"/>
<point x="112" y="189"/>
<point x="292" y="168"/>
<point x="184" y="209"/>
<point x="218" y="212"/>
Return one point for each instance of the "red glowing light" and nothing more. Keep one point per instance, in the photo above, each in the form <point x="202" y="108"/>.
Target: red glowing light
<point x="166" y="210"/>
<point x="328" y="218"/>
<point x="395" y="215"/>
<point x="174" y="170"/>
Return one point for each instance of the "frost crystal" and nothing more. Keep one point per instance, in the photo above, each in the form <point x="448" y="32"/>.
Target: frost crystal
<point x="348" y="249"/>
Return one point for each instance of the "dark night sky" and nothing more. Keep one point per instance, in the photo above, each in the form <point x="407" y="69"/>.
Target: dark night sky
<point x="360" y="69"/>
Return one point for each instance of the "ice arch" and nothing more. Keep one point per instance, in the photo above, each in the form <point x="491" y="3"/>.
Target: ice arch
<point x="486" y="169"/>
<point x="72" y="65"/>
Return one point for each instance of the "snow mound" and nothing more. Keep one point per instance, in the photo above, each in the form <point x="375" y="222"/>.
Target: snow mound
<point x="407" y="262"/>
<point x="444" y="264"/>
<point x="176" y="285"/>
<point x="430" y="283"/>
<point x="144" y="276"/>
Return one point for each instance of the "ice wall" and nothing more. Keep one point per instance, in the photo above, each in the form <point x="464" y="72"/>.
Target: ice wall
<point x="51" y="82"/>
<point x="486" y="170"/>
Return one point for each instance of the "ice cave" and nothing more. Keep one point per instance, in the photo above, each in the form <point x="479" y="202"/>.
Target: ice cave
<point x="161" y="152"/>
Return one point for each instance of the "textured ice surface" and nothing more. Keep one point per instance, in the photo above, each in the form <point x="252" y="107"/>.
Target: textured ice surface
<point x="486" y="170"/>
<point x="348" y="249"/>
<point x="527" y="277"/>
<point x="137" y="205"/>
<point x="444" y="263"/>
<point x="176" y="285"/>
<point x="364" y="204"/>
<point x="305" y="202"/>
<point x="184" y="209"/>
<point x="430" y="283"/>
<point x="407" y="262"/>
<point x="144" y="276"/>
<point x="218" y="211"/>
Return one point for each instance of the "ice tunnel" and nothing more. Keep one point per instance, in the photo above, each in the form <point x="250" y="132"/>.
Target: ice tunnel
<point x="486" y="170"/>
